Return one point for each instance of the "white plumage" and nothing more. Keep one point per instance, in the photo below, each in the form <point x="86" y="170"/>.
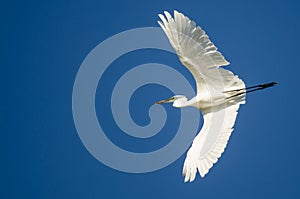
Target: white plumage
<point x="219" y="92"/>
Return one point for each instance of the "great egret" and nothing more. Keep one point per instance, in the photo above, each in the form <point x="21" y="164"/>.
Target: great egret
<point x="219" y="91"/>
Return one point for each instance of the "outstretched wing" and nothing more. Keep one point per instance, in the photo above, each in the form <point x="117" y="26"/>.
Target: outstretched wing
<point x="198" y="54"/>
<point x="201" y="57"/>
<point x="211" y="142"/>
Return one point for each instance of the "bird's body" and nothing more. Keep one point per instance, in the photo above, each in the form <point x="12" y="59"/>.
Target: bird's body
<point x="219" y="91"/>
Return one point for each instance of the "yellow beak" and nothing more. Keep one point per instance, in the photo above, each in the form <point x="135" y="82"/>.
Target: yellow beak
<point x="163" y="101"/>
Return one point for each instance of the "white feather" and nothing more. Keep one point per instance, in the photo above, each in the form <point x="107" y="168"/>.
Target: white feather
<point x="200" y="56"/>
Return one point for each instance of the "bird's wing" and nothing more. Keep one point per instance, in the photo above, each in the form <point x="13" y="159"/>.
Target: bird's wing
<point x="201" y="57"/>
<point x="211" y="142"/>
<point x="198" y="54"/>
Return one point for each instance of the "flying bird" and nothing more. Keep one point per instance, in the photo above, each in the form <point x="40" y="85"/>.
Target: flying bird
<point x="219" y="92"/>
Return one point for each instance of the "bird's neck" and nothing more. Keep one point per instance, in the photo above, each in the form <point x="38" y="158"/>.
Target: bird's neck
<point x="181" y="102"/>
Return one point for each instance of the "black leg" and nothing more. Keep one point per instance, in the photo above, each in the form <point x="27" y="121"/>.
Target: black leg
<point x="251" y="89"/>
<point x="261" y="86"/>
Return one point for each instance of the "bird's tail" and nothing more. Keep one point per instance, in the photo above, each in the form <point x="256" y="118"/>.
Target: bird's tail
<point x="250" y="89"/>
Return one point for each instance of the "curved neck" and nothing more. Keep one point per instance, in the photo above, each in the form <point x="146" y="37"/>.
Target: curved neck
<point x="181" y="102"/>
<point x="184" y="102"/>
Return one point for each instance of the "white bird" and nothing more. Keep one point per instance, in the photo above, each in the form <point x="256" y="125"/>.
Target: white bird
<point x="219" y="92"/>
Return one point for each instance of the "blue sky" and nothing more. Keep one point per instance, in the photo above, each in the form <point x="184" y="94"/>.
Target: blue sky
<point x="43" y="46"/>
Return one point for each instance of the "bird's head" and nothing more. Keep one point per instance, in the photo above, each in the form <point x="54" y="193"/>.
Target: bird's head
<point x="176" y="98"/>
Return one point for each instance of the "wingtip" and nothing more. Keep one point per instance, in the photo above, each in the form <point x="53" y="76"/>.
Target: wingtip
<point x="202" y="175"/>
<point x="161" y="16"/>
<point x="186" y="179"/>
<point x="166" y="13"/>
<point x="160" y="23"/>
<point x="163" y="19"/>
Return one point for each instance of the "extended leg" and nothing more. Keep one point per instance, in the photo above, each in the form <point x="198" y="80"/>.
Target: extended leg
<point x="260" y="86"/>
<point x="250" y="89"/>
